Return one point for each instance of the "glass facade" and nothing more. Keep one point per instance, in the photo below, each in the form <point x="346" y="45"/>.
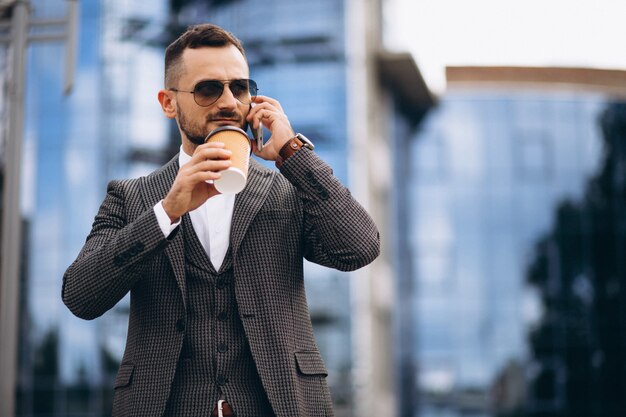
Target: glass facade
<point x="504" y="240"/>
<point x="111" y="126"/>
<point x="73" y="145"/>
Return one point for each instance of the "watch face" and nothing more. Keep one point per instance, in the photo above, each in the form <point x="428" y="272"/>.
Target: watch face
<point x="306" y="142"/>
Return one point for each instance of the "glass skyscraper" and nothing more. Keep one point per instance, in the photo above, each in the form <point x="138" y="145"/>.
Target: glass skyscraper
<point x="504" y="170"/>
<point x="73" y="145"/>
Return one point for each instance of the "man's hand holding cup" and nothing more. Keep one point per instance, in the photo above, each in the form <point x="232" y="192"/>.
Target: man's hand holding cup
<point x="192" y="186"/>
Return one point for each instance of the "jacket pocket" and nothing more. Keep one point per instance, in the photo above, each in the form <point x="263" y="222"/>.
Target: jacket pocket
<point x="310" y="363"/>
<point x="124" y="375"/>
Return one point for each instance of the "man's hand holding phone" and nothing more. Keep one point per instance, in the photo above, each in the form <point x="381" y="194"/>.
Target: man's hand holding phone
<point x="257" y="133"/>
<point x="268" y="112"/>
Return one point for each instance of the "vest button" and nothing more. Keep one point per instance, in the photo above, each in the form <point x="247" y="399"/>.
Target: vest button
<point x="223" y="316"/>
<point x="221" y="380"/>
<point x="222" y="347"/>
<point x="180" y="325"/>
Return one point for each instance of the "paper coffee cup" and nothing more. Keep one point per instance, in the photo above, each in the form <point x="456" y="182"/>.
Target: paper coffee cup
<point x="233" y="179"/>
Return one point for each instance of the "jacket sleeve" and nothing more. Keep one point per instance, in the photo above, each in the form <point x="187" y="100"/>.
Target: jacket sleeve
<point x="113" y="257"/>
<point x="338" y="232"/>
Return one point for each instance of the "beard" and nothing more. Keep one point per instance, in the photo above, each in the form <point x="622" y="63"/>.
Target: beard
<point x="197" y="133"/>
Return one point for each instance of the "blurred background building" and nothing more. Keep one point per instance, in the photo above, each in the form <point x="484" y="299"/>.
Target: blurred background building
<point x="500" y="284"/>
<point x="517" y="267"/>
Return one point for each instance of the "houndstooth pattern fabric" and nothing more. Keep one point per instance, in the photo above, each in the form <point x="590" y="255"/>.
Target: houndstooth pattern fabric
<point x="278" y="219"/>
<point x="215" y="361"/>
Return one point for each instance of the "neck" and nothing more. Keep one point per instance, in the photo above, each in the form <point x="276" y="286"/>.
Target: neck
<point x="189" y="147"/>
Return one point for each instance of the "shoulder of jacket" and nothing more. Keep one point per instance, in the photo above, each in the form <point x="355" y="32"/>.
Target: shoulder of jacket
<point x="122" y="183"/>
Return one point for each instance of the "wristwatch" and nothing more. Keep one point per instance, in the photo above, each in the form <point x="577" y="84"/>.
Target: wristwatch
<point x="292" y="146"/>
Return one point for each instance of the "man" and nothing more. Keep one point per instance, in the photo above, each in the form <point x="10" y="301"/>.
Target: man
<point x="219" y="323"/>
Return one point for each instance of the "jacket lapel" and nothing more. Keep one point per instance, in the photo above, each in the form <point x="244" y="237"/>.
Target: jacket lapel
<point x="155" y="188"/>
<point x="248" y="202"/>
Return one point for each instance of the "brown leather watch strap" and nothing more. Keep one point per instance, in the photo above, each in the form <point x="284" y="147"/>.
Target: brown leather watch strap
<point x="292" y="146"/>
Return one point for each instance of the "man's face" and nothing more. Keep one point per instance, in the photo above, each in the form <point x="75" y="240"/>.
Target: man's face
<point x="209" y="63"/>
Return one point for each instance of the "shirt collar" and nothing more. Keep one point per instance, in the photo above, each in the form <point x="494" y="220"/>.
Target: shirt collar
<point x="183" y="158"/>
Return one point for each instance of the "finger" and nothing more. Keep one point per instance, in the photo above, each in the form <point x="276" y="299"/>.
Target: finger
<point x="257" y="113"/>
<point x="193" y="174"/>
<point x="199" y="178"/>
<point x="208" y="166"/>
<point x="210" y="145"/>
<point x="265" y="106"/>
<point x="254" y="118"/>
<point x="210" y="153"/>
<point x="266" y="116"/>
<point x="265" y="99"/>
<point x="204" y="176"/>
<point x="263" y="111"/>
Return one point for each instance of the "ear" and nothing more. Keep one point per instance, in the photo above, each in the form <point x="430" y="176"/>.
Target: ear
<point x="168" y="103"/>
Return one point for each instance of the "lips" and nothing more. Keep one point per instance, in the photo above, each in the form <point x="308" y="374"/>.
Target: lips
<point x="234" y="122"/>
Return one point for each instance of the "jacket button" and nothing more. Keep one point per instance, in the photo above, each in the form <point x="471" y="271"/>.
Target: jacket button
<point x="180" y="325"/>
<point x="222" y="316"/>
<point x="222" y="347"/>
<point x="221" y="380"/>
<point x="221" y="283"/>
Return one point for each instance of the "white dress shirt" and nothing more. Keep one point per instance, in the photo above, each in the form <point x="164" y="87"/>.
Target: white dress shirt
<point x="211" y="221"/>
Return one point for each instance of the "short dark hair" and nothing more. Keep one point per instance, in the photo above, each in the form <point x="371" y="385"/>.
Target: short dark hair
<point x="196" y="36"/>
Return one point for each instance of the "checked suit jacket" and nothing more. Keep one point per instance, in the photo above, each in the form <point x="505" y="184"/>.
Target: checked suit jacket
<point x="278" y="219"/>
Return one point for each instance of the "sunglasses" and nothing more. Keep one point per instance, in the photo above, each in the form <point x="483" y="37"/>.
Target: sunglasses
<point x="208" y="92"/>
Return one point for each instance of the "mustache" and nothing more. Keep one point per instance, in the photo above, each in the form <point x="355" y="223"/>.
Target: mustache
<point x="225" y="114"/>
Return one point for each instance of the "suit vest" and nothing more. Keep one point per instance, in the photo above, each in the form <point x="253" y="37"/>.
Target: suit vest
<point x="215" y="361"/>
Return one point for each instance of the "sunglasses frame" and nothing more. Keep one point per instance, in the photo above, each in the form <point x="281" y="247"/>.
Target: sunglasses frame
<point x="223" y="83"/>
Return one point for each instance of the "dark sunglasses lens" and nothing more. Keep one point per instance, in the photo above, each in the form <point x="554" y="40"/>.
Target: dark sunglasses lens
<point x="207" y="92"/>
<point x="243" y="90"/>
<point x="253" y="88"/>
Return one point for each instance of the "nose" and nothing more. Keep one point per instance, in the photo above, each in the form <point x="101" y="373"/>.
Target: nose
<point x="227" y="100"/>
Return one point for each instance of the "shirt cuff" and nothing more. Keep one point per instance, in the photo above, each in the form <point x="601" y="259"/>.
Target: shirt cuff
<point x="165" y="224"/>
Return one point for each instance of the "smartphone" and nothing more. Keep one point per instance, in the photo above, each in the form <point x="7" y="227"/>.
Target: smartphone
<point x="258" y="134"/>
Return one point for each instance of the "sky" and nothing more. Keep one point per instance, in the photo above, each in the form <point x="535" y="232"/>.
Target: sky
<point x="578" y="33"/>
